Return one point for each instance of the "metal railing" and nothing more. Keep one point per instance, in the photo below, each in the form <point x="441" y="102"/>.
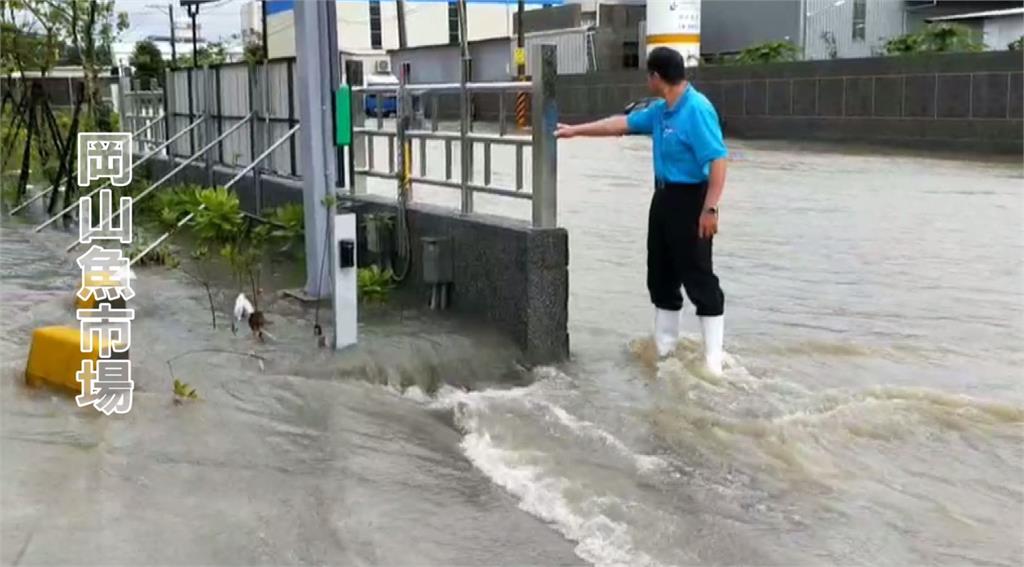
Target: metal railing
<point x="135" y="164"/>
<point x="401" y="164"/>
<point x="166" y="177"/>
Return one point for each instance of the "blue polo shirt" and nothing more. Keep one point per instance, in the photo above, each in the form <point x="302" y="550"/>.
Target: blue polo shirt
<point x="687" y="137"/>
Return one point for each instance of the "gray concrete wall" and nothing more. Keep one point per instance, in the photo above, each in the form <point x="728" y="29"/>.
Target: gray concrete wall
<point x="619" y="25"/>
<point x="491" y="61"/>
<point x="729" y="26"/>
<point x="506" y="272"/>
<point x="956" y="101"/>
<point x="551" y="18"/>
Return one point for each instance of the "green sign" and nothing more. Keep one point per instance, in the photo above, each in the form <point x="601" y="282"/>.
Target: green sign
<point x="343" y="116"/>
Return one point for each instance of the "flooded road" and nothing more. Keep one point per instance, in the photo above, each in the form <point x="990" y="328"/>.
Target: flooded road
<point x="872" y="410"/>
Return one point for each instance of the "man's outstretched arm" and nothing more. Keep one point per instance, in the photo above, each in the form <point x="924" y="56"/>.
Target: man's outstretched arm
<point x="611" y="126"/>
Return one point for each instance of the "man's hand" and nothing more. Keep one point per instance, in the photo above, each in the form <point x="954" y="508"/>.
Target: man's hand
<point x="564" y="131"/>
<point x="611" y="126"/>
<point x="708" y="225"/>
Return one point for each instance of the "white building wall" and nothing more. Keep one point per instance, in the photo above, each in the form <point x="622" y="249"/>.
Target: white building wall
<point x="353" y="26"/>
<point x="1001" y="31"/>
<point x="426" y="23"/>
<point x="883" y="21"/>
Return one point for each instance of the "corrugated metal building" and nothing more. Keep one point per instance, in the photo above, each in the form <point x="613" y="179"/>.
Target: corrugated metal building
<point x="575" y="50"/>
<point x="821" y="29"/>
<point x="493" y="59"/>
<point x="855" y="28"/>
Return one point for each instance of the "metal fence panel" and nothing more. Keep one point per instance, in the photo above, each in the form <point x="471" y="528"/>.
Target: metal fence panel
<point x="234" y="106"/>
<point x="277" y="108"/>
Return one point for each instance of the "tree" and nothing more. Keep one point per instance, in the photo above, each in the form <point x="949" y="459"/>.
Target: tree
<point x="1016" y="44"/>
<point x="253" y="51"/>
<point x="40" y="33"/>
<point x="950" y="37"/>
<point x="31" y="37"/>
<point x="210" y="55"/>
<point x="148" y="61"/>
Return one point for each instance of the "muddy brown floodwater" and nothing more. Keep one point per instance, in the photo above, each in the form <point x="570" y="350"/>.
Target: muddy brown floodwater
<point x="871" y="413"/>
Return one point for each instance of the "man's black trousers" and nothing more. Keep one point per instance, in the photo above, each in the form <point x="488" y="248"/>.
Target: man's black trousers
<point x="676" y="255"/>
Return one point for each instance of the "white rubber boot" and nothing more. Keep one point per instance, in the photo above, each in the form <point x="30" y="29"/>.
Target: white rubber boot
<point x="713" y="329"/>
<point x="666" y="331"/>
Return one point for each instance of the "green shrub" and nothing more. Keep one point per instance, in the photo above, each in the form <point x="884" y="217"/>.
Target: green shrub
<point x="374" y="284"/>
<point x="220" y="220"/>
<point x="244" y="254"/>
<point x="935" y="38"/>
<point x="1016" y="45"/>
<point x="291" y="218"/>
<point x="768" y="52"/>
<point x="160" y="256"/>
<point x="167" y="205"/>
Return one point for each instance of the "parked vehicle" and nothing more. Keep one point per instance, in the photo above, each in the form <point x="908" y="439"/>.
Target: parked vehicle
<point x="388" y="103"/>
<point x="639" y="104"/>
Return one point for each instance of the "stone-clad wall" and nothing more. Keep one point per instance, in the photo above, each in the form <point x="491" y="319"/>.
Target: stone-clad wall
<point x="506" y="272"/>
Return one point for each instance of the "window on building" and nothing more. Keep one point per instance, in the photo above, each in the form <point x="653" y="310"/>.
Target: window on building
<point x="860" y="18"/>
<point x="453" y="22"/>
<point x="630" y="54"/>
<point x="376" y="41"/>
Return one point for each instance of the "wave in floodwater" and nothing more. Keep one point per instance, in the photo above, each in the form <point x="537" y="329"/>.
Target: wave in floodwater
<point x="741" y="440"/>
<point x="497" y="427"/>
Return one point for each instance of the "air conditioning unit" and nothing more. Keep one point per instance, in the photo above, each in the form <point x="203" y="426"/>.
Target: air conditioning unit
<point x="382" y="67"/>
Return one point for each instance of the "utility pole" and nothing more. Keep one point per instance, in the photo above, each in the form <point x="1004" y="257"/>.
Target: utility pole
<point x="192" y="8"/>
<point x="174" y="41"/>
<point x="316" y="51"/>
<point x="400" y="6"/>
<point x="170" y="17"/>
<point x="263" y="28"/>
<point x="193" y="11"/>
<point x="520" y="41"/>
<point x="466" y="147"/>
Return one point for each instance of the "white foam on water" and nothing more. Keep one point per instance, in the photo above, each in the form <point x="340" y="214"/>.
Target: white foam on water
<point x="416" y="394"/>
<point x="600" y="540"/>
<point x="644" y="463"/>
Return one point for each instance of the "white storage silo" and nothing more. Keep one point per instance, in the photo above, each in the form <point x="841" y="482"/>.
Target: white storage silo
<point x="675" y="24"/>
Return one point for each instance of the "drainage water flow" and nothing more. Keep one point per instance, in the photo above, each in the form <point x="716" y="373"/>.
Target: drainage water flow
<point x="870" y="411"/>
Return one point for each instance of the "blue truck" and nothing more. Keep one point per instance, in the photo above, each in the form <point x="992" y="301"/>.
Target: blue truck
<point x="388" y="102"/>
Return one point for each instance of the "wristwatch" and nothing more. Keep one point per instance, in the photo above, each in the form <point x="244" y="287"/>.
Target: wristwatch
<point x="712" y="210"/>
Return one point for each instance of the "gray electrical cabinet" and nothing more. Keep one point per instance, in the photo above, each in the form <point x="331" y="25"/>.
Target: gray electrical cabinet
<point x="437" y="259"/>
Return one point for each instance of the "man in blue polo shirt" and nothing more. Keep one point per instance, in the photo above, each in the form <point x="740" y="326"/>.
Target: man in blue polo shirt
<point x="689" y="175"/>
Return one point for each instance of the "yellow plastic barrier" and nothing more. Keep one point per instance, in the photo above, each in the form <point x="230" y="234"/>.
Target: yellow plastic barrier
<point x="85" y="303"/>
<point x="55" y="357"/>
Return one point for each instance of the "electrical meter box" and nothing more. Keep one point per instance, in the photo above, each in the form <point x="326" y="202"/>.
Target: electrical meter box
<point x="437" y="259"/>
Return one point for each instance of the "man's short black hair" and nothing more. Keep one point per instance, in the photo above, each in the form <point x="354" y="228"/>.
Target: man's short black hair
<point x="668" y="64"/>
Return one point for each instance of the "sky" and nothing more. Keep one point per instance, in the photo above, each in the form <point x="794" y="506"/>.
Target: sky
<point x="217" y="20"/>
